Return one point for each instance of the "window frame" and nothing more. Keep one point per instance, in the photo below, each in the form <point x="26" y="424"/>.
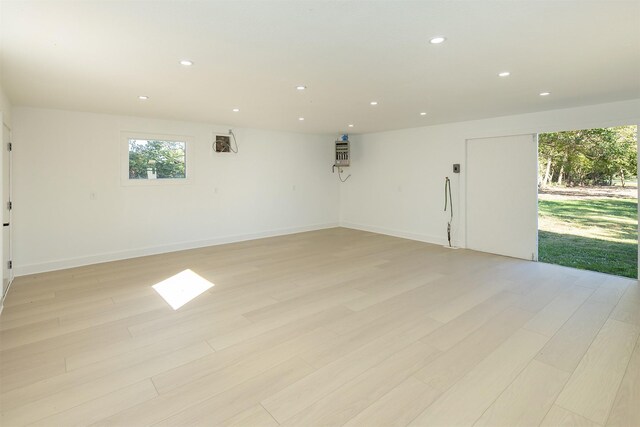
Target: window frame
<point x="124" y="159"/>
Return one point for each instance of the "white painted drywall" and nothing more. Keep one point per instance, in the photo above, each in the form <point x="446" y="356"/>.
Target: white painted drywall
<point x="397" y="178"/>
<point x="278" y="183"/>
<point x="5" y="108"/>
<point x="502" y="195"/>
<point x="5" y="118"/>
<point x="396" y="185"/>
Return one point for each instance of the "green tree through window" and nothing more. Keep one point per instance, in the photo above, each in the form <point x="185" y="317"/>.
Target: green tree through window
<point x="588" y="156"/>
<point x="153" y="159"/>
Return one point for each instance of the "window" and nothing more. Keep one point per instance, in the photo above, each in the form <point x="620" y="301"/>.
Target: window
<point x="154" y="159"/>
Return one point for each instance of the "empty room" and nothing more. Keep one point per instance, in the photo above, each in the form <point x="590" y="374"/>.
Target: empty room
<point x="319" y="213"/>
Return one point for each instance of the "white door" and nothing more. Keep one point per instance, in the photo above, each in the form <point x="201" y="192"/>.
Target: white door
<point x="502" y="195"/>
<point x="7" y="276"/>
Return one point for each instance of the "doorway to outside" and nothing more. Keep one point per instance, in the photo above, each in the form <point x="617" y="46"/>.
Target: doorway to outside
<point x="588" y="199"/>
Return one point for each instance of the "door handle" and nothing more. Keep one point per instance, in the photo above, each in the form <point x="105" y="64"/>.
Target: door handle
<point x="6" y="224"/>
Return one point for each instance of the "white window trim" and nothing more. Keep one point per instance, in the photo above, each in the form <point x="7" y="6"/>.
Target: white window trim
<point x="124" y="159"/>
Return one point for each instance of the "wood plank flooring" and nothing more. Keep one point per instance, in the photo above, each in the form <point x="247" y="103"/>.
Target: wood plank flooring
<point x="326" y="328"/>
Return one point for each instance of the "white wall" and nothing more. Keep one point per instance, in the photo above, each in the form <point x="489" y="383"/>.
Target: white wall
<point x="397" y="182"/>
<point x="5" y="108"/>
<point x="61" y="157"/>
<point x="5" y="118"/>
<point x="396" y="186"/>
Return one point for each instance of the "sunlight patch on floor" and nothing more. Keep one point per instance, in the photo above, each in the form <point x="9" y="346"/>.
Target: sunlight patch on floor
<point x="182" y="288"/>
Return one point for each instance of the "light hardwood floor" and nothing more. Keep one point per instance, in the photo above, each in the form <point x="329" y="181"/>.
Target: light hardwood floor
<point x="333" y="327"/>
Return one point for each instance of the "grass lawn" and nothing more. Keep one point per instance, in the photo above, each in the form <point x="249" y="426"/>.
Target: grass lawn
<point x="598" y="234"/>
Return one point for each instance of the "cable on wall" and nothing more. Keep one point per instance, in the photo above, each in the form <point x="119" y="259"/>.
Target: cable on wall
<point x="233" y="135"/>
<point x="448" y="200"/>
<point x="340" y="175"/>
<point x="448" y="204"/>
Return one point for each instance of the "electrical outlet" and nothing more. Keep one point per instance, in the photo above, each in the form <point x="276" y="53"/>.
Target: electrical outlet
<point x="456" y="168"/>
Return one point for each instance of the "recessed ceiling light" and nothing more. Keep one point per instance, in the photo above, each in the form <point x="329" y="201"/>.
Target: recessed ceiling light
<point x="235" y="110"/>
<point x="374" y="103"/>
<point x="545" y="93"/>
<point x="301" y="119"/>
<point x="437" y="40"/>
<point x="301" y="87"/>
<point x="186" y="63"/>
<point x="423" y="114"/>
<point x="143" y="97"/>
<point x="350" y="125"/>
<point x="504" y="74"/>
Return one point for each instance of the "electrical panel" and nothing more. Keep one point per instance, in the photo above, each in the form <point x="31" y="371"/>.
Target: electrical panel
<point x="343" y="156"/>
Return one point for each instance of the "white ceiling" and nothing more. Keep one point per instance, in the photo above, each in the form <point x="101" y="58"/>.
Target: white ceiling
<point x="100" y="56"/>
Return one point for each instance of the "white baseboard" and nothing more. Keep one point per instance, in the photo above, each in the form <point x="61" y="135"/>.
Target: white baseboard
<point x="436" y="240"/>
<point x="154" y="250"/>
